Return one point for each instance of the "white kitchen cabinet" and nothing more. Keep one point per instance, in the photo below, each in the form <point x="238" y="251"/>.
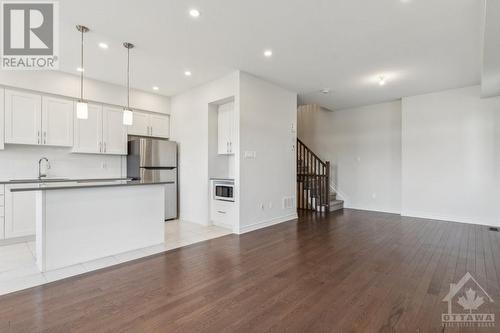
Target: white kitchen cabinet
<point x="57" y="121"/>
<point x="2" y="126"/>
<point x="160" y="126"/>
<point x="35" y="120"/>
<point x="140" y="125"/>
<point x="150" y="124"/>
<point x="114" y="133"/>
<point x="23" y="117"/>
<point x="102" y="133"/>
<point x="225" y="128"/>
<point x="88" y="132"/>
<point x="2" y="211"/>
<point x="20" y="212"/>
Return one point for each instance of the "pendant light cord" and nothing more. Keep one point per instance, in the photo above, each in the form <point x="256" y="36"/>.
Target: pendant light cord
<point x="128" y="78"/>
<point x="81" y="73"/>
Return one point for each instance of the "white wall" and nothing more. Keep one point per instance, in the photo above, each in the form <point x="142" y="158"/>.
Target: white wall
<point x="451" y="156"/>
<point x="364" y="148"/>
<point x="267" y="114"/>
<point x="20" y="161"/>
<point x="59" y="83"/>
<point x="189" y="127"/>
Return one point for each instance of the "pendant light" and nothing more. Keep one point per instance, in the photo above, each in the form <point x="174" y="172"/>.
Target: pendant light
<point x="128" y="116"/>
<point x="82" y="108"/>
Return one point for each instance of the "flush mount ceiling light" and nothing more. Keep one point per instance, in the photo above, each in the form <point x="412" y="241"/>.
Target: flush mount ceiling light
<point x="82" y="108"/>
<point x="188" y="73"/>
<point x="194" y="13"/>
<point x="268" y="53"/>
<point x="381" y="80"/>
<point x="80" y="69"/>
<point x="325" y="91"/>
<point x="156" y="88"/>
<point x="128" y="116"/>
<point x="103" y="45"/>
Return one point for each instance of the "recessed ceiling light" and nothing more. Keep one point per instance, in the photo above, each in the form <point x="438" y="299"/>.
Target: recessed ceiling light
<point x="156" y="88"/>
<point x="194" y="13"/>
<point x="79" y="69"/>
<point x="268" y="53"/>
<point x="103" y="45"/>
<point x="188" y="73"/>
<point x="381" y="80"/>
<point x="325" y="91"/>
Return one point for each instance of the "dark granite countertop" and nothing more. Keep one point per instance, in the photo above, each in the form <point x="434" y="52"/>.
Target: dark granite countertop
<point x="57" y="180"/>
<point x="87" y="184"/>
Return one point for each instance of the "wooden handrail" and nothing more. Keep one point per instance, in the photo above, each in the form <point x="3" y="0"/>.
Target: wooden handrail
<point x="313" y="180"/>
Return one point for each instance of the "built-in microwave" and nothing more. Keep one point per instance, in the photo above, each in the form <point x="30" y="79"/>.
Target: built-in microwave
<point x="223" y="190"/>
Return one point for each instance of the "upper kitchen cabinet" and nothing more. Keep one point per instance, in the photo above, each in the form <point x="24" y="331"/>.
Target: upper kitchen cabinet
<point x="2" y="117"/>
<point x="102" y="133"/>
<point x="149" y="124"/>
<point x="23" y="117"/>
<point x="88" y="132"/>
<point x="35" y="120"/>
<point x="57" y="121"/>
<point x="114" y="133"/>
<point x="160" y="126"/>
<point x="225" y="128"/>
<point x="140" y="125"/>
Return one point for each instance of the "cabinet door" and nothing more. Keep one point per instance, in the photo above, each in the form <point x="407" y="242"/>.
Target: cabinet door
<point x="20" y="212"/>
<point x="88" y="132"/>
<point x="2" y="127"/>
<point x="224" y="130"/>
<point x="113" y="131"/>
<point x="140" y="126"/>
<point x="22" y="117"/>
<point x="160" y="126"/>
<point x="57" y="121"/>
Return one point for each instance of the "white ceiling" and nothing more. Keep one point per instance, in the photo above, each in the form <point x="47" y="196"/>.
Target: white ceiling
<point x="419" y="45"/>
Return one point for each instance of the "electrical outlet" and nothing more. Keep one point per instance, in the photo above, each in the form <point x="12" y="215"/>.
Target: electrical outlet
<point x="261" y="205"/>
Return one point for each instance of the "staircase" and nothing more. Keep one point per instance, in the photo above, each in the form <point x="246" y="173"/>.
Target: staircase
<point x="313" y="182"/>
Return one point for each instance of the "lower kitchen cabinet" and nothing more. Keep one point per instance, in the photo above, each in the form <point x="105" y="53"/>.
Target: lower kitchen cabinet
<point x="2" y="212"/>
<point x="20" y="212"/>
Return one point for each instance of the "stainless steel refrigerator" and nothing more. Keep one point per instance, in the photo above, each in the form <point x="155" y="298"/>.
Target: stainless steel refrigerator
<point x="155" y="160"/>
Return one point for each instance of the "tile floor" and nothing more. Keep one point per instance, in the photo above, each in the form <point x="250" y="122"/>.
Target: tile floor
<point x="18" y="269"/>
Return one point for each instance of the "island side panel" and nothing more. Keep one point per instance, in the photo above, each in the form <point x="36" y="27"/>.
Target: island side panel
<point x="40" y="230"/>
<point x="91" y="223"/>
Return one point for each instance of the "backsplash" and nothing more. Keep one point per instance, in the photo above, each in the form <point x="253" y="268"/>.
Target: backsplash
<point x="20" y="161"/>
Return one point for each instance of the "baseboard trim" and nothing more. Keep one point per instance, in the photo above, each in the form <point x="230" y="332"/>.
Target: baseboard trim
<point x="389" y="211"/>
<point x="447" y="218"/>
<point x="267" y="223"/>
<point x="17" y="240"/>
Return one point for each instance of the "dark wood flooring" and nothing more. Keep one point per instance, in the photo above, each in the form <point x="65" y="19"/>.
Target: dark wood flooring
<point x="351" y="271"/>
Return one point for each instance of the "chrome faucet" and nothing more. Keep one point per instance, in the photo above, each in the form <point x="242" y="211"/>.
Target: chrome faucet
<point x="40" y="174"/>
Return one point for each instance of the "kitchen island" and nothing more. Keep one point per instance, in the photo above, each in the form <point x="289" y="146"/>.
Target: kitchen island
<point x="79" y="222"/>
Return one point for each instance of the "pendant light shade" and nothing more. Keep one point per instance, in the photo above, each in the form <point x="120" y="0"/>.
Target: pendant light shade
<point x="82" y="109"/>
<point x="128" y="115"/>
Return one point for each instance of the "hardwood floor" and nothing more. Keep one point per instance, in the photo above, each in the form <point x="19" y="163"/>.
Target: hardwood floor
<point x="352" y="271"/>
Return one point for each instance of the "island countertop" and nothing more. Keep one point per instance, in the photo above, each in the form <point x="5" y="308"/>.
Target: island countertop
<point x="55" y="180"/>
<point x="87" y="184"/>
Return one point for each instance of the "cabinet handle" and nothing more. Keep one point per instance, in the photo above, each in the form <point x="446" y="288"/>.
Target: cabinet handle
<point x="100" y="147"/>
<point x="104" y="146"/>
<point x="38" y="137"/>
<point x="230" y="147"/>
<point x="227" y="147"/>
<point x="45" y="137"/>
<point x="220" y="211"/>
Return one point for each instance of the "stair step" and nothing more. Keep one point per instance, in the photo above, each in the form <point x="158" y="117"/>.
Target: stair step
<point x="336" y="205"/>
